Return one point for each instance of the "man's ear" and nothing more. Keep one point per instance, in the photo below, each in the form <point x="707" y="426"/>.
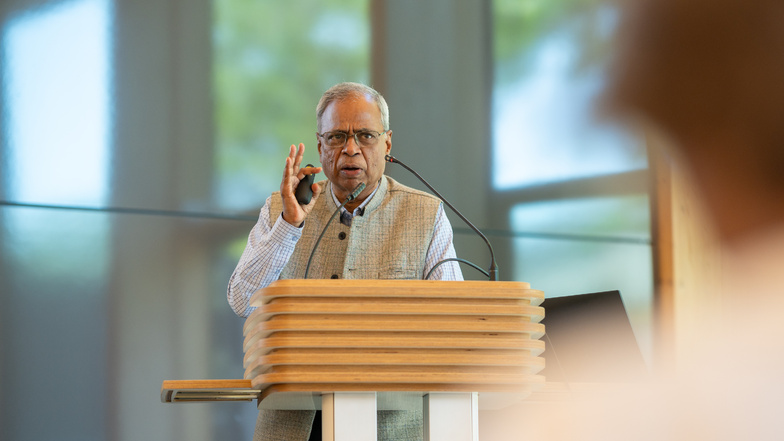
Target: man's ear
<point x="318" y="143"/>
<point x="389" y="141"/>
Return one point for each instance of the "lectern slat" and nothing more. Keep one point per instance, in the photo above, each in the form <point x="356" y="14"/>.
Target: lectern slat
<point x="519" y="360"/>
<point x="413" y="377"/>
<point x="488" y="357"/>
<point x="465" y="340"/>
<point x="381" y="306"/>
<point x="395" y="323"/>
<point x="395" y="288"/>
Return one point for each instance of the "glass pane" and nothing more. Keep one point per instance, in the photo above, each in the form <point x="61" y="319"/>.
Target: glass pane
<point x="550" y="60"/>
<point x="614" y="218"/>
<point x="56" y="70"/>
<point x="569" y="267"/>
<point x="100" y="308"/>
<point x="550" y="57"/>
<point x="273" y="60"/>
<point x="53" y="323"/>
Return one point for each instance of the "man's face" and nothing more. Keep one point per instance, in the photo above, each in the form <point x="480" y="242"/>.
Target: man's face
<point x="346" y="167"/>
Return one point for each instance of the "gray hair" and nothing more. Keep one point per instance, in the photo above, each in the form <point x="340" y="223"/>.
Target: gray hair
<point x="345" y="90"/>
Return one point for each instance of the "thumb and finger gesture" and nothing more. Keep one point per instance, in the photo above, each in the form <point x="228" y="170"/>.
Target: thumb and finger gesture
<point x="294" y="212"/>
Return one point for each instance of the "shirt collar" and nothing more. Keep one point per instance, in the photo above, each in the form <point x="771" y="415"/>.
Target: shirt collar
<point x="358" y="210"/>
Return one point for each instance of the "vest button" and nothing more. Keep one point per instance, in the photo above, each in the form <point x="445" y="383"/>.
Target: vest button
<point x="342" y="235"/>
<point x="334" y="276"/>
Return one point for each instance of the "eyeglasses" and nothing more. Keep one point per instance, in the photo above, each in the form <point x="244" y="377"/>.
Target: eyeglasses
<point x="363" y="138"/>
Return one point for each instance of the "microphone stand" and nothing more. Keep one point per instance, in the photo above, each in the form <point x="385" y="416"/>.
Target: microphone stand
<point x="350" y="198"/>
<point x="493" y="271"/>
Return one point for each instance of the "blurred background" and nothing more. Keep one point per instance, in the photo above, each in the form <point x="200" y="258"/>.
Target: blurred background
<point x="138" y="140"/>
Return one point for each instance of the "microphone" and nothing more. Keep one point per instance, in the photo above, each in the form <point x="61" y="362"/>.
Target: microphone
<point x="354" y="194"/>
<point x="492" y="273"/>
<point x="350" y="198"/>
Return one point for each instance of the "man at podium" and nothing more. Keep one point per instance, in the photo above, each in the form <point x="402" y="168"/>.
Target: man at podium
<point x="385" y="230"/>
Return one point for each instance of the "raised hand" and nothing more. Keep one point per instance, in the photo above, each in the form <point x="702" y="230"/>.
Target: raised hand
<point x="294" y="212"/>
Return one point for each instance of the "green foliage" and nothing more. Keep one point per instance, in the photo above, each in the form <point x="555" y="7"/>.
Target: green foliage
<point x="521" y="24"/>
<point x="272" y="62"/>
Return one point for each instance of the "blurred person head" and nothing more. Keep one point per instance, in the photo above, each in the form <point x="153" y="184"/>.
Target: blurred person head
<point x="709" y="74"/>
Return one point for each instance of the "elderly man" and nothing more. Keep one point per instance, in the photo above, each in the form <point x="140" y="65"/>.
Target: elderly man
<point x="389" y="231"/>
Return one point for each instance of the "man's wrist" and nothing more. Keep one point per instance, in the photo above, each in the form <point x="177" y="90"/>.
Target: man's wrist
<point x="292" y="224"/>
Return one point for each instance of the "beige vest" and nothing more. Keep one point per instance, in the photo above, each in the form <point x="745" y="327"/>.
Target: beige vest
<point x="389" y="241"/>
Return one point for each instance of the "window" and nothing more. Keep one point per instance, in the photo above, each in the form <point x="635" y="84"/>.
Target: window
<point x="576" y="196"/>
<point x="56" y="95"/>
<point x="273" y="60"/>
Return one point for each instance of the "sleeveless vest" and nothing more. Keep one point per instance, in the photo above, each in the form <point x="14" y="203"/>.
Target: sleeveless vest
<point x="389" y="241"/>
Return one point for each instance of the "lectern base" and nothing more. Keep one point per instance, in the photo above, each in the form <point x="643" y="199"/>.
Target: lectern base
<point x="451" y="416"/>
<point x="351" y="416"/>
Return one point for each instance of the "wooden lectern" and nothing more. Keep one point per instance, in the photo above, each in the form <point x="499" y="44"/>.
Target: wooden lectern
<point x="346" y="345"/>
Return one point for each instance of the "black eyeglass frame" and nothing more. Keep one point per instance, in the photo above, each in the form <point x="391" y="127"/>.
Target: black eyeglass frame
<point x="355" y="135"/>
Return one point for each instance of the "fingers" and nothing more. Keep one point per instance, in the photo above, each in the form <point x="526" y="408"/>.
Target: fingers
<point x="292" y="171"/>
<point x="316" y="190"/>
<point x="293" y="212"/>
<point x="298" y="154"/>
<point x="300" y="171"/>
<point x="308" y="171"/>
<point x="292" y="168"/>
<point x="288" y="173"/>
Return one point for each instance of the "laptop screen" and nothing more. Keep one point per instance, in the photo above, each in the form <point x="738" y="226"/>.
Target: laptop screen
<point x="589" y="339"/>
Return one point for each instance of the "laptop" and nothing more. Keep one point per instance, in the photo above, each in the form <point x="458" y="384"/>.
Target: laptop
<point x="589" y="339"/>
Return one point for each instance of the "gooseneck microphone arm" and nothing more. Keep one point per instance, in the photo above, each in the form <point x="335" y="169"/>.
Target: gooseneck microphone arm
<point x="493" y="272"/>
<point x="457" y="259"/>
<point x="350" y="198"/>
